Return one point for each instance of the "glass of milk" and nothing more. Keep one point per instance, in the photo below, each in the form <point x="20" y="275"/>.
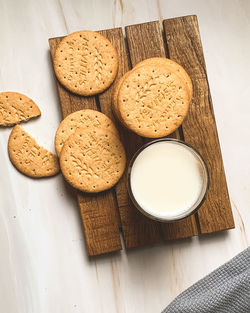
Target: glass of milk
<point x="167" y="180"/>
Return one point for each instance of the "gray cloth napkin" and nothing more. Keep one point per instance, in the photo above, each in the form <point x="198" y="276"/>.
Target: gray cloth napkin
<point x="225" y="290"/>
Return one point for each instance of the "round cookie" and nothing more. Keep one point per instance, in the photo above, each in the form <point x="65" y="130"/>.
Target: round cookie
<point x="86" y="62"/>
<point x="15" y="108"/>
<point x="174" y="67"/>
<point x="30" y="158"/>
<point x="84" y="119"/>
<point x="92" y="160"/>
<point x="153" y="101"/>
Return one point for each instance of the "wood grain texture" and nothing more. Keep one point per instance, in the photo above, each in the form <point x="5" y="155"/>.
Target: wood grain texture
<point x="100" y="222"/>
<point x="98" y="213"/>
<point x="146" y="41"/>
<point x="199" y="128"/>
<point x="137" y="230"/>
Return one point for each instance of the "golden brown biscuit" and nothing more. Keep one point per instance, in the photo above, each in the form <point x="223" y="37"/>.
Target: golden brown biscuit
<point x="84" y="119"/>
<point x="30" y="158"/>
<point x="153" y="101"/>
<point x="15" y="108"/>
<point x="86" y="62"/>
<point x="93" y="159"/>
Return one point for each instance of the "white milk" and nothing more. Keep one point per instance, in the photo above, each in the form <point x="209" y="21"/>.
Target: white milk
<point x="167" y="179"/>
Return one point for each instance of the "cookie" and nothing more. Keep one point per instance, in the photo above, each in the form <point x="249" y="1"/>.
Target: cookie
<point x="84" y="119"/>
<point x="92" y="159"/>
<point x="30" y="158"/>
<point x="174" y="67"/>
<point x="115" y="97"/>
<point x="153" y="101"/>
<point x="86" y="63"/>
<point x="15" y="108"/>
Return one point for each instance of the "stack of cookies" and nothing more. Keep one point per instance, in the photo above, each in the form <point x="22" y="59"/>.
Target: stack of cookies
<point x="153" y="98"/>
<point x="92" y="157"/>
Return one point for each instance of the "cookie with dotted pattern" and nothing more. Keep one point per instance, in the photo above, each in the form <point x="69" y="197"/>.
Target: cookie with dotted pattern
<point x="30" y="158"/>
<point x="84" y="119"/>
<point x="92" y="159"/>
<point x="85" y="62"/>
<point x="15" y="108"/>
<point x="174" y="67"/>
<point x="153" y="101"/>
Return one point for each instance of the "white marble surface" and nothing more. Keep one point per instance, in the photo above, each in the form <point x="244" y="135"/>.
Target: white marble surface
<point x="44" y="267"/>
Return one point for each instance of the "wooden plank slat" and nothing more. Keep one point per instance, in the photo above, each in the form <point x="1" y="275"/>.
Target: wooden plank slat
<point x="146" y="41"/>
<point x="199" y="128"/>
<point x="98" y="213"/>
<point x="100" y="223"/>
<point x="137" y="230"/>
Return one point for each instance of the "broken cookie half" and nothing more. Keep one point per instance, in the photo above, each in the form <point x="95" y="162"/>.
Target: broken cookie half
<point x="30" y="158"/>
<point x="15" y="108"/>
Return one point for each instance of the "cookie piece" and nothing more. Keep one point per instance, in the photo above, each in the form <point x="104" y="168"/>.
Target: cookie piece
<point x="84" y="119"/>
<point x="174" y="67"/>
<point x="92" y="159"/>
<point x="15" y="108"/>
<point x="30" y="158"/>
<point x="86" y="62"/>
<point x="115" y="97"/>
<point x="153" y="101"/>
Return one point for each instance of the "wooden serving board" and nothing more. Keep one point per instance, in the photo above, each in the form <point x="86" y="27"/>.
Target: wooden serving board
<point x="105" y="214"/>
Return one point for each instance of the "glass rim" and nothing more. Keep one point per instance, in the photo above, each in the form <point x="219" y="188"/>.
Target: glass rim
<point x="195" y="207"/>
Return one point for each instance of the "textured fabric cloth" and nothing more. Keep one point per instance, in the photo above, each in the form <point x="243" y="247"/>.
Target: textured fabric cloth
<point x="225" y="290"/>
